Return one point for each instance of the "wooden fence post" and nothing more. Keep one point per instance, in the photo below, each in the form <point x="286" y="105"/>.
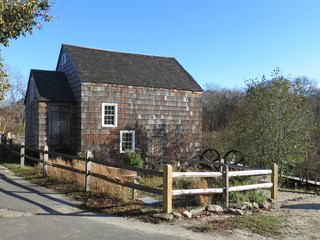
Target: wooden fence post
<point x="225" y="185"/>
<point x="274" y="179"/>
<point x="134" y="191"/>
<point x="167" y="189"/>
<point x="45" y="160"/>
<point x="88" y="169"/>
<point x="10" y="144"/>
<point x="22" y="153"/>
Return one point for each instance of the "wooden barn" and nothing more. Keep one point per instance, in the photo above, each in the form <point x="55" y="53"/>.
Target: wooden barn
<point x="109" y="102"/>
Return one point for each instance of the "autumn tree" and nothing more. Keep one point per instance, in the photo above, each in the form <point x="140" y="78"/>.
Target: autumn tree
<point x="276" y="122"/>
<point x="12" y="107"/>
<point x="218" y="104"/>
<point x="19" y="17"/>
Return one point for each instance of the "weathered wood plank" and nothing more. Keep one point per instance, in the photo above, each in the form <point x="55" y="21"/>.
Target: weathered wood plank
<point x="197" y="191"/>
<point x="139" y="170"/>
<point x="167" y="188"/>
<point x="250" y="187"/>
<point x="66" y="168"/>
<point x="274" y="178"/>
<point x="225" y="185"/>
<point x="196" y="174"/>
<point x="250" y="173"/>
<point x="34" y="159"/>
<point x="128" y="184"/>
<point x="63" y="155"/>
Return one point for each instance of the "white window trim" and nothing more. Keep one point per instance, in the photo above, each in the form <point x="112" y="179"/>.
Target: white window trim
<point x="133" y="144"/>
<point x="63" y="59"/>
<point x="115" y="114"/>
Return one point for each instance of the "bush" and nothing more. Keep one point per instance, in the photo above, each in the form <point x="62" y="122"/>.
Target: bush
<point x="258" y="196"/>
<point x="133" y="159"/>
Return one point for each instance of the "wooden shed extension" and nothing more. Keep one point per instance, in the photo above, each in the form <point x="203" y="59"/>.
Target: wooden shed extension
<point x="49" y="101"/>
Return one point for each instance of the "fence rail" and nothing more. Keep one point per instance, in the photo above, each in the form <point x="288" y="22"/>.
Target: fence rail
<point x="167" y="192"/>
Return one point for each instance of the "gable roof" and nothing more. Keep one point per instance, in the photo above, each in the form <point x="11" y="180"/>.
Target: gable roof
<point x="51" y="86"/>
<point x="104" y="66"/>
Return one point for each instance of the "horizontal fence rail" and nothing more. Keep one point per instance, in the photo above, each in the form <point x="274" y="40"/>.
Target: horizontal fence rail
<point x="197" y="191"/>
<point x="196" y="174"/>
<point x="250" y="187"/>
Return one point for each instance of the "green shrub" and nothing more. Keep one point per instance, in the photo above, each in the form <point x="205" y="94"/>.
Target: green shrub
<point x="133" y="159"/>
<point x="258" y="196"/>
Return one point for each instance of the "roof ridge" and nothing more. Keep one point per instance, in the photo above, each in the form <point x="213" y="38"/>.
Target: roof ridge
<point x="115" y="51"/>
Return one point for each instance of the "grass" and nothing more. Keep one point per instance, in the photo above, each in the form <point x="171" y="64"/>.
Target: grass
<point x="264" y="225"/>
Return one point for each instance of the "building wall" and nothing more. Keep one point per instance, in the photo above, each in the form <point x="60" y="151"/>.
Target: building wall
<point x="75" y="84"/>
<point x="167" y="122"/>
<point x="32" y="116"/>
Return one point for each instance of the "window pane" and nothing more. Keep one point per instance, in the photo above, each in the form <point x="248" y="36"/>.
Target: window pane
<point x="109" y="115"/>
<point x="127" y="141"/>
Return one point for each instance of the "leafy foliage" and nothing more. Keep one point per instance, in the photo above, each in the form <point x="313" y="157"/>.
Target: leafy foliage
<point x="19" y="17"/>
<point x="4" y="81"/>
<point x="133" y="159"/>
<point x="275" y="123"/>
<point x="258" y="195"/>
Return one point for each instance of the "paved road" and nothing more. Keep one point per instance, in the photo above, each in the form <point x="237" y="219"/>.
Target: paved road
<point x="28" y="211"/>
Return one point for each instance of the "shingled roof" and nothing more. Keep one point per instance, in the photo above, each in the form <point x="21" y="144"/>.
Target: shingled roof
<point x="104" y="66"/>
<point x="52" y="86"/>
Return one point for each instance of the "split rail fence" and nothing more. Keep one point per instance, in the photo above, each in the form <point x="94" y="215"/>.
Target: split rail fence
<point x="167" y="174"/>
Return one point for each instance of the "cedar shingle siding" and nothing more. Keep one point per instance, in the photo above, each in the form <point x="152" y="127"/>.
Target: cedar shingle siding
<point x="155" y="97"/>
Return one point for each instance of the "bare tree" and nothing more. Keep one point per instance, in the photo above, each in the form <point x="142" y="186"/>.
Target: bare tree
<point x="12" y="107"/>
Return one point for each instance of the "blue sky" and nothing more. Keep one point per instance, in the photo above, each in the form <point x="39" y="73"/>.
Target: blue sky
<point x="219" y="42"/>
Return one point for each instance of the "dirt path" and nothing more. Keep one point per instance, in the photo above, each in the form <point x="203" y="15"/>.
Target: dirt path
<point x="301" y="210"/>
<point x="303" y="213"/>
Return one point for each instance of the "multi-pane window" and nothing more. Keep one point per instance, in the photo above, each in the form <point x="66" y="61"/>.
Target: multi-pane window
<point x="109" y="115"/>
<point x="127" y="141"/>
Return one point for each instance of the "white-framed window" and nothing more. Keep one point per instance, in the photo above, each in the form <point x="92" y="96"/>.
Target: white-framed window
<point x="109" y="115"/>
<point x="127" y="141"/>
<point x="63" y="58"/>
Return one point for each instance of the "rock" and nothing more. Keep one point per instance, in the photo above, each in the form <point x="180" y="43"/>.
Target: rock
<point x="272" y="201"/>
<point x="236" y="211"/>
<point x="177" y="215"/>
<point x="247" y="205"/>
<point x="197" y="211"/>
<point x="144" y="210"/>
<point x="264" y="205"/>
<point x="237" y="205"/>
<point x="163" y="216"/>
<point x="187" y="214"/>
<point x="255" y="205"/>
<point x="214" y="208"/>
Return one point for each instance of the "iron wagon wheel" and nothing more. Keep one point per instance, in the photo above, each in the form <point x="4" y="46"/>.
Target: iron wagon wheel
<point x="211" y="155"/>
<point x="234" y="156"/>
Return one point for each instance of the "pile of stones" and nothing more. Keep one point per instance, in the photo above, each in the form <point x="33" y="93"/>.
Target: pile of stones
<point x="244" y="208"/>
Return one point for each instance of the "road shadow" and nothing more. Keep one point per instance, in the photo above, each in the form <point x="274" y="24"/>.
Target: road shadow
<point x="303" y="206"/>
<point x="47" y="196"/>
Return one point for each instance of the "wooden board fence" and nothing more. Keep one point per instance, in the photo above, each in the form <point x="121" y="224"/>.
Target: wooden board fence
<point x="167" y="192"/>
